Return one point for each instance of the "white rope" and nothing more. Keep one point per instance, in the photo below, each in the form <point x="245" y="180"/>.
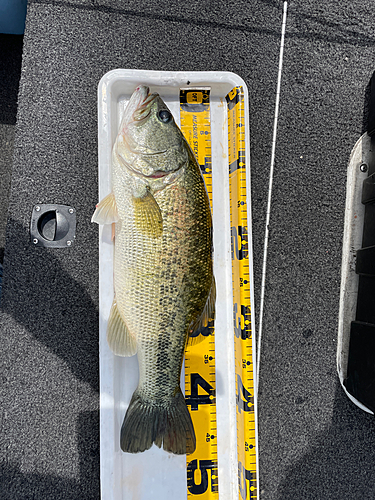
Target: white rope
<point x="263" y="284"/>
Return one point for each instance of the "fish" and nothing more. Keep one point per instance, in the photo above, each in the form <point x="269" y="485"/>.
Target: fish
<point x="164" y="286"/>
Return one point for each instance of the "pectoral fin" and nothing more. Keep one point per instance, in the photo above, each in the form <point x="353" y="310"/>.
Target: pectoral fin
<point x="148" y="217"/>
<point x="208" y="314"/>
<point x="106" y="211"/>
<point x="119" y="339"/>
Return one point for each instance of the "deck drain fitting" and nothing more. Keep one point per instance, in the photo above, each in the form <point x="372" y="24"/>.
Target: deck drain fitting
<point x="53" y="226"/>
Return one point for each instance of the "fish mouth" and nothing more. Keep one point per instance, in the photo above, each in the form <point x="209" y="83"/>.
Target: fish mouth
<point x="144" y="108"/>
<point x="159" y="174"/>
<point x="138" y="106"/>
<point x="136" y="113"/>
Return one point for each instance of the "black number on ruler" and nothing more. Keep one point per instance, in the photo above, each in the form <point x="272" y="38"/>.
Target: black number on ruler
<point x="207" y="167"/>
<point x="206" y="331"/>
<point x="244" y="399"/>
<point x="239" y="162"/>
<point x="204" y="466"/>
<point x="194" y="101"/>
<point x="234" y="96"/>
<point x="243" y="319"/>
<point x="241" y="251"/>
<point x="196" y="399"/>
<point x="247" y="482"/>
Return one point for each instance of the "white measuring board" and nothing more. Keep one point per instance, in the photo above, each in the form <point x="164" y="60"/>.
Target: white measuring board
<point x="155" y="473"/>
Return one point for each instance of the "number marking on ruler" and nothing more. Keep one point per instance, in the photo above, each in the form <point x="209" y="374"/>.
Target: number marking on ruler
<point x="200" y="384"/>
<point x="244" y="367"/>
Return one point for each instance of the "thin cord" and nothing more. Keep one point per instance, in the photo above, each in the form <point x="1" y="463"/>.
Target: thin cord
<point x="263" y="285"/>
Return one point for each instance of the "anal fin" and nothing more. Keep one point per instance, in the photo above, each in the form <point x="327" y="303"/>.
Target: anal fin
<point x="120" y="340"/>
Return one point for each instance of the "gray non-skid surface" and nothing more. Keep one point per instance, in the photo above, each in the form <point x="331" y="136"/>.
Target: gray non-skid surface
<point x="313" y="443"/>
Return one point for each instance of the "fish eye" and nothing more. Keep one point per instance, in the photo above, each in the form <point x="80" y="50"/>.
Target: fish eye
<point x="164" y="116"/>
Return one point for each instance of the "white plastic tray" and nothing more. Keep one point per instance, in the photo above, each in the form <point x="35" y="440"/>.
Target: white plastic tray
<point x="156" y="474"/>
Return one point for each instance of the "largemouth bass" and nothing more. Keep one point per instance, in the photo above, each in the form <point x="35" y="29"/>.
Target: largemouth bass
<point x="163" y="276"/>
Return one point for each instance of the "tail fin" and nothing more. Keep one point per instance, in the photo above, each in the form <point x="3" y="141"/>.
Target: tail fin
<point x="148" y="422"/>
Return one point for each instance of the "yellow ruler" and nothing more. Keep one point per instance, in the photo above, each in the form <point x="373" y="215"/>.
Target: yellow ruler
<point x="200" y="385"/>
<point x="244" y="367"/>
